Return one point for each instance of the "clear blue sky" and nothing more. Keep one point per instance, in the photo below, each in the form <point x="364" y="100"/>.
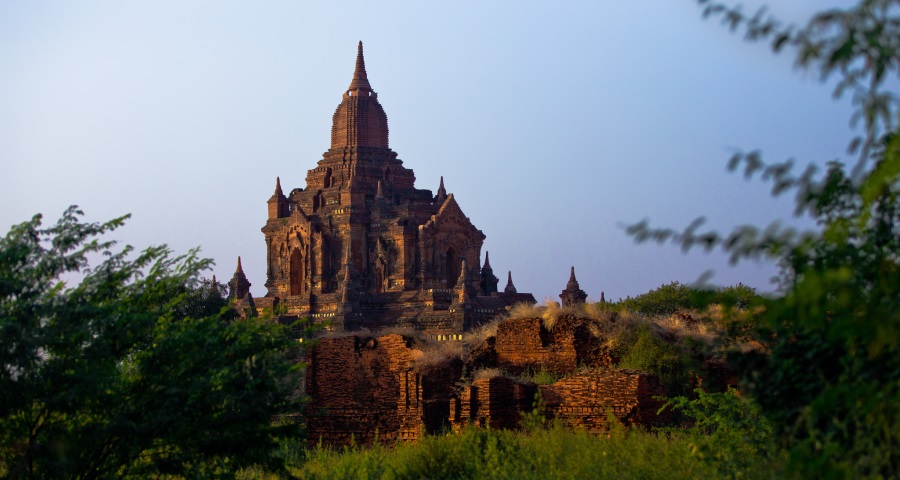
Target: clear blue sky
<point x="554" y="123"/>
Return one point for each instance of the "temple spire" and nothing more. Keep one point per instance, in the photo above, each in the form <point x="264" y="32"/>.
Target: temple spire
<point x="488" y="280"/>
<point x="573" y="294"/>
<point x="360" y="80"/>
<point x="379" y="193"/>
<point x="278" y="204"/>
<point x="442" y="192"/>
<point x="510" y="288"/>
<point x="239" y="286"/>
<point x="278" y="192"/>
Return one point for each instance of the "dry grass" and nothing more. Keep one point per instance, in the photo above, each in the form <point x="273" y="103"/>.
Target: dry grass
<point x="362" y="333"/>
<point x="406" y="332"/>
<point x="488" y="373"/>
<point x="689" y="324"/>
<point x="480" y="334"/>
<point x="435" y="354"/>
<point x="525" y="310"/>
<point x="549" y="312"/>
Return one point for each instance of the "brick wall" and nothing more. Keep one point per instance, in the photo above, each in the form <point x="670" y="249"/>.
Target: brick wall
<point x="362" y="388"/>
<point x="497" y="402"/>
<point x="524" y="344"/>
<point x="585" y="400"/>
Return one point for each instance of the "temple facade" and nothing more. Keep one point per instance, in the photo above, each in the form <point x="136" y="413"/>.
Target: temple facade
<point x="361" y="247"/>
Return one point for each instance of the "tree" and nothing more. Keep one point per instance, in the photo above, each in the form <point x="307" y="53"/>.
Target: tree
<point x="134" y="370"/>
<point x="830" y="377"/>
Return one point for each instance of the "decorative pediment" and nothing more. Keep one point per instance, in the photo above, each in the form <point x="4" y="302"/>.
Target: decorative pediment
<point x="450" y="215"/>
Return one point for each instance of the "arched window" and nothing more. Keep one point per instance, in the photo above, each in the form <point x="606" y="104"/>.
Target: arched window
<point x="296" y="272"/>
<point x="452" y="267"/>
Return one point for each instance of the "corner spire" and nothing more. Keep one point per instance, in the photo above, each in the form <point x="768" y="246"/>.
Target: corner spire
<point x="278" y="203"/>
<point x="487" y="259"/>
<point x="278" y="192"/>
<point x="360" y="80"/>
<point x="379" y="193"/>
<point x="441" y="193"/>
<point x="510" y="288"/>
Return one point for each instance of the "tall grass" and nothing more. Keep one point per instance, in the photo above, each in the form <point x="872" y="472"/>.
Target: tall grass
<point x="553" y="453"/>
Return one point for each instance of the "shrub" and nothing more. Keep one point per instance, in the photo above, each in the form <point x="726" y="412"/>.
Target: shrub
<point x="728" y="430"/>
<point x="641" y="348"/>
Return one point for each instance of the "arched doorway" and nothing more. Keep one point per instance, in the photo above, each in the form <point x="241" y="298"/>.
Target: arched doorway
<point x="296" y="272"/>
<point x="452" y="267"/>
<point x="379" y="279"/>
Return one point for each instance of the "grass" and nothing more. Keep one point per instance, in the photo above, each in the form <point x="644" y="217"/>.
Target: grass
<point x="552" y="453"/>
<point x="438" y="354"/>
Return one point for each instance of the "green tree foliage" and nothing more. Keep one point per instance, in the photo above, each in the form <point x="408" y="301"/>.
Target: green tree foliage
<point x="676" y="296"/>
<point x="665" y="300"/>
<point x="830" y="380"/>
<point x="641" y="349"/>
<point x="725" y="429"/>
<point x="134" y="371"/>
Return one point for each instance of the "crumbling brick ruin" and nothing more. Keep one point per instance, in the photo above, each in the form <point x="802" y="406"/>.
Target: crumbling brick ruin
<point x="362" y="385"/>
<point x="362" y="388"/>
<point x="585" y="400"/>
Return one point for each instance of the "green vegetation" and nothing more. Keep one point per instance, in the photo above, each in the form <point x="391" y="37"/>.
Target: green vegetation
<point x="674" y="297"/>
<point x="135" y="371"/>
<point x="642" y="349"/>
<point x="554" y="452"/>
<point x="829" y="379"/>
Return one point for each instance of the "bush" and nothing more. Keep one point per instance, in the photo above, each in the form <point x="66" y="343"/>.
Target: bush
<point x="642" y="349"/>
<point x="665" y="300"/>
<point x="729" y="431"/>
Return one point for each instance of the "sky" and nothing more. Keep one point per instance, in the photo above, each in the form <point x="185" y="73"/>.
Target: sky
<point x="555" y="124"/>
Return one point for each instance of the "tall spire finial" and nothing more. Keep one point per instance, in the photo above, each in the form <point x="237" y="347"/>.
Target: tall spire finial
<point x="487" y="259"/>
<point x="278" y="191"/>
<point x="360" y="80"/>
<point x="239" y="268"/>
<point x="510" y="288"/>
<point x="379" y="193"/>
<point x="442" y="192"/>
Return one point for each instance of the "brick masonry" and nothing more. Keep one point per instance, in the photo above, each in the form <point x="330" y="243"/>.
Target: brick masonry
<point x="363" y="389"/>
<point x="524" y="344"/>
<point x="586" y="400"/>
<point x="366" y="388"/>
